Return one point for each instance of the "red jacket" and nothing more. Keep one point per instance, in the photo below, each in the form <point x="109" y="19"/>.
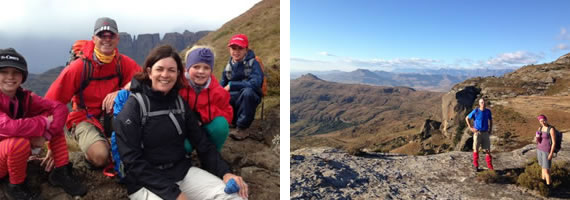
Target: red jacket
<point x="32" y="122"/>
<point x="212" y="101"/>
<point x="63" y="89"/>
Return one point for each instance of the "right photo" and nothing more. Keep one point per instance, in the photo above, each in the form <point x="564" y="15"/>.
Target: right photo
<point x="429" y="100"/>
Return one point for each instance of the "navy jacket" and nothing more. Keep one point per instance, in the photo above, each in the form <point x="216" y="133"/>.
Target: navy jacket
<point x="239" y="80"/>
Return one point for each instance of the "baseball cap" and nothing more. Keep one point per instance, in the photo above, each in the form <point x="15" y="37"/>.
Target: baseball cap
<point x="10" y="58"/>
<point x="105" y="24"/>
<point x="240" y="40"/>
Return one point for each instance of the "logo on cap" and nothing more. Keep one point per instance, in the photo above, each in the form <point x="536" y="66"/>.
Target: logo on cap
<point x="9" y="57"/>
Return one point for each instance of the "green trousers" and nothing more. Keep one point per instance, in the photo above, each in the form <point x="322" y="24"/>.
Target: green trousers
<point x="217" y="131"/>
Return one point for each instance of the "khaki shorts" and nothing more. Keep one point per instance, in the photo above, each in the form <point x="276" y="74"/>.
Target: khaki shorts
<point x="85" y="134"/>
<point x="481" y="139"/>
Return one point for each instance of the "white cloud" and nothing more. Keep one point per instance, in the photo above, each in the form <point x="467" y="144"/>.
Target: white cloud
<point x="349" y="64"/>
<point x="501" y="61"/>
<point x="52" y="18"/>
<point x="513" y="59"/>
<point x="395" y="63"/>
<point x="324" y="53"/>
<point x="560" y="47"/>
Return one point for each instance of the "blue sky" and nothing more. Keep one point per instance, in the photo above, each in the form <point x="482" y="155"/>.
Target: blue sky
<point x="383" y="35"/>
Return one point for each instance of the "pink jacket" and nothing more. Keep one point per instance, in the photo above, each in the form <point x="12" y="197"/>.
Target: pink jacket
<point x="33" y="121"/>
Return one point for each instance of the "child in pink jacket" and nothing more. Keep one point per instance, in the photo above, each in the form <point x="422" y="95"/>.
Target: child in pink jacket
<point x="27" y="121"/>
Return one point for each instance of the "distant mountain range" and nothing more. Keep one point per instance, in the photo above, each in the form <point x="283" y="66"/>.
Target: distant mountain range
<point x="423" y="79"/>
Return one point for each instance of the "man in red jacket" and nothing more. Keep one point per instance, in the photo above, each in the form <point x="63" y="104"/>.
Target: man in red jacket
<point x="91" y="83"/>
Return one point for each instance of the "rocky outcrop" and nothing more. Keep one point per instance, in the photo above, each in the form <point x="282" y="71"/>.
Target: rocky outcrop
<point x="327" y="173"/>
<point x="184" y="40"/>
<point x="456" y="104"/>
<point x="428" y="128"/>
<point x="563" y="60"/>
<point x="138" y="47"/>
<point x="143" y="43"/>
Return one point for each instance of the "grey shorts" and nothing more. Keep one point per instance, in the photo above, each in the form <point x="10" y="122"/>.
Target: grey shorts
<point x="543" y="159"/>
<point x="481" y="139"/>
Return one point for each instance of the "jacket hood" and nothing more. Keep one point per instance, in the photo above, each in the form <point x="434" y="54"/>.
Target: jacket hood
<point x="249" y="55"/>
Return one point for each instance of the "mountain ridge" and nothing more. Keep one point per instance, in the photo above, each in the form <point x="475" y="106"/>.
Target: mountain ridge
<point x="438" y="80"/>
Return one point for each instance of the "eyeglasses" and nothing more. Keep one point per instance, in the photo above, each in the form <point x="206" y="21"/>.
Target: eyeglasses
<point x="107" y="35"/>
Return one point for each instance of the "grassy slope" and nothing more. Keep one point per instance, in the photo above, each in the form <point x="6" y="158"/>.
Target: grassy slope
<point x="261" y="25"/>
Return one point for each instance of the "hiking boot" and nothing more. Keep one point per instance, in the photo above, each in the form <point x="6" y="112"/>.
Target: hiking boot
<point x="63" y="177"/>
<point x="476" y="168"/>
<point x="20" y="191"/>
<point x="239" y="134"/>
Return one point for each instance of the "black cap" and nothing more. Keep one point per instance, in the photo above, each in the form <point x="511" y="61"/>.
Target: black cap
<point x="10" y="58"/>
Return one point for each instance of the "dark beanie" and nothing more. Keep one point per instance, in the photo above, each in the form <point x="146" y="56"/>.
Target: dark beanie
<point x="10" y="58"/>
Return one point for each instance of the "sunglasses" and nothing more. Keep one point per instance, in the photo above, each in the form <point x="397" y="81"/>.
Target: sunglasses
<point x="106" y="35"/>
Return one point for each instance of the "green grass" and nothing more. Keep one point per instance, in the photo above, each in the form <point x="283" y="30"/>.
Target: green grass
<point x="221" y="34"/>
<point x="271" y="103"/>
<point x="531" y="177"/>
<point x="329" y="126"/>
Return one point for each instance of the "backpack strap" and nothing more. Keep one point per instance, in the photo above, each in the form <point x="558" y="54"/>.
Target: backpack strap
<point x="248" y="67"/>
<point x="119" y="71"/>
<point x="549" y="136"/>
<point x="228" y="70"/>
<point x="85" y="78"/>
<point x="179" y="110"/>
<point x="146" y="113"/>
<point x="143" y="105"/>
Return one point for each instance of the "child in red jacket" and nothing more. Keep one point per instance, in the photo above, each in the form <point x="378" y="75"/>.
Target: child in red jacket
<point x="26" y="122"/>
<point x="206" y="96"/>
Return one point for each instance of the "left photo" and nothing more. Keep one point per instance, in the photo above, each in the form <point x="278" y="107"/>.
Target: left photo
<point x="178" y="100"/>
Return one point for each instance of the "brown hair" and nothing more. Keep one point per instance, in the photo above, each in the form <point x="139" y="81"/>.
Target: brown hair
<point x="154" y="56"/>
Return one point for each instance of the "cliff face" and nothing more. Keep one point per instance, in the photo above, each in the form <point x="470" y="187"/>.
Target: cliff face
<point x="138" y="47"/>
